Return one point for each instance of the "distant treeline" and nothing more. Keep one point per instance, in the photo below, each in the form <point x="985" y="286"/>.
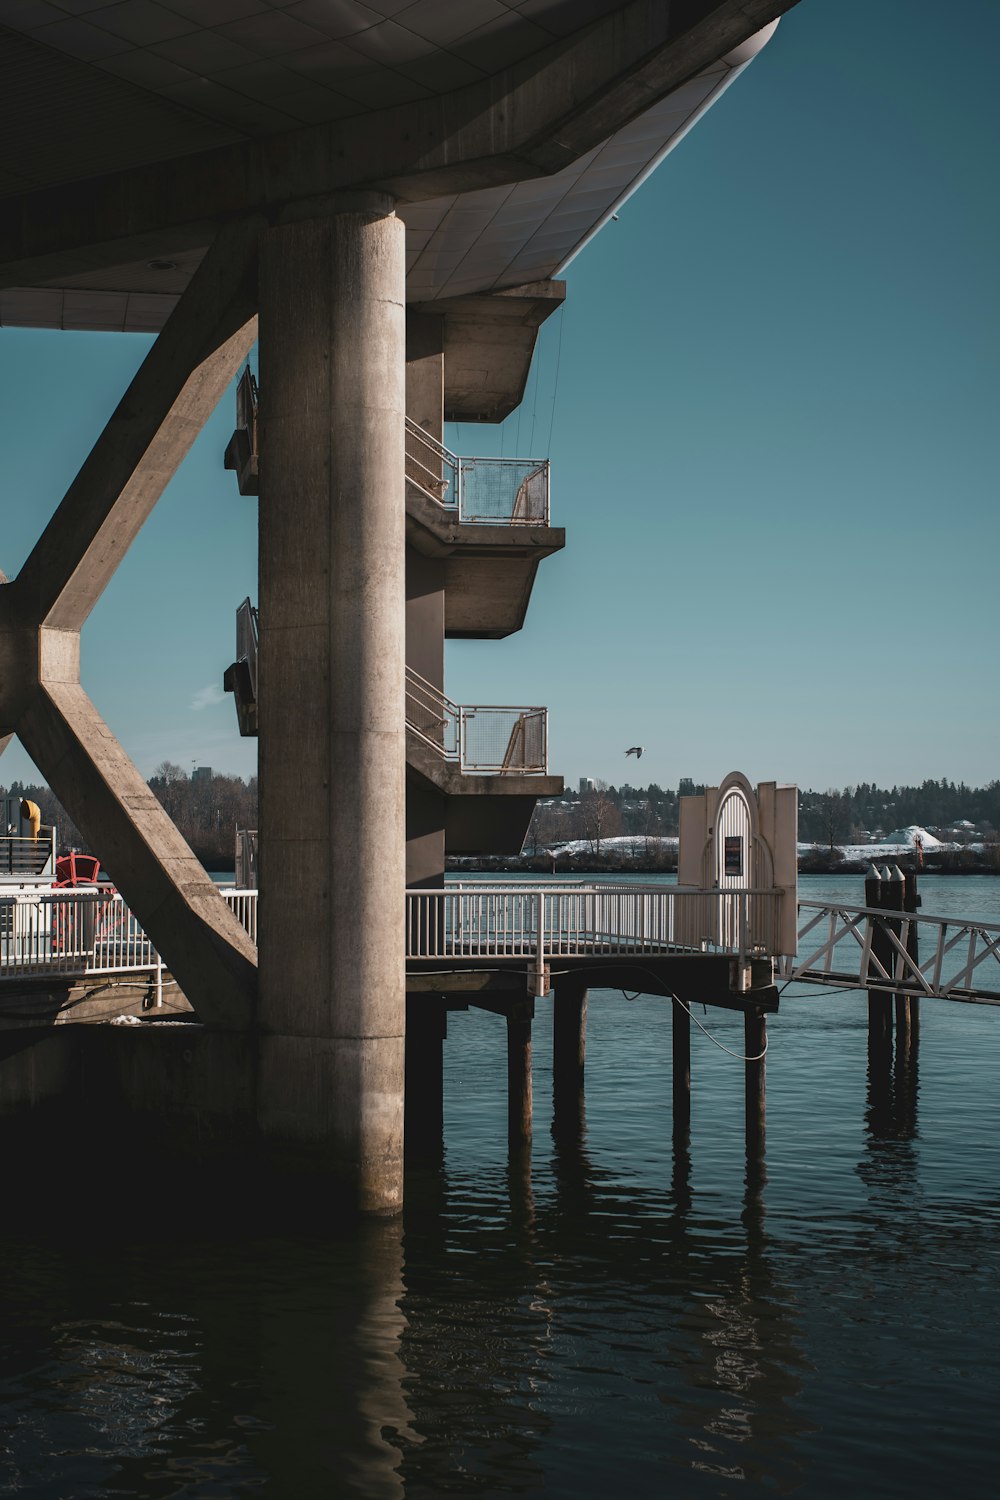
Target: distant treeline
<point x="208" y="809"/>
<point x="854" y="815"/>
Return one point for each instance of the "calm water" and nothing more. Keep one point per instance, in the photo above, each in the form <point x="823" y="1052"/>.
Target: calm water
<point x="614" y="1318"/>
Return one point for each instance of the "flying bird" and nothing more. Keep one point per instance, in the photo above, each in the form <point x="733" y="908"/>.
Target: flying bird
<point x="635" y="750"/>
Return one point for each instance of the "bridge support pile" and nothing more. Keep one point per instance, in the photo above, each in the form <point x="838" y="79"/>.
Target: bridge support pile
<point x="332" y="870"/>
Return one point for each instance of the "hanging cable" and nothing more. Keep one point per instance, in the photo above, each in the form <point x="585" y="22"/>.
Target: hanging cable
<point x="641" y="969"/>
<point x="555" y="387"/>
<point x="534" y="408"/>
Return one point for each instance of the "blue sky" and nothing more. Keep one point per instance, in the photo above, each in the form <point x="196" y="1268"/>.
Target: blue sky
<point x="771" y="445"/>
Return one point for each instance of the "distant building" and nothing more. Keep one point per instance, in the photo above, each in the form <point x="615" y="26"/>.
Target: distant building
<point x="201" y="773"/>
<point x="587" y="785"/>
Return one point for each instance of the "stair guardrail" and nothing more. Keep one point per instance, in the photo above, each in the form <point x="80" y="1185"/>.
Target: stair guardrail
<point x="481" y="739"/>
<point x="477" y="491"/>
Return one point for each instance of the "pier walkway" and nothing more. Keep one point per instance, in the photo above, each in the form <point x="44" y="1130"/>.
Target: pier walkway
<point x="523" y="935"/>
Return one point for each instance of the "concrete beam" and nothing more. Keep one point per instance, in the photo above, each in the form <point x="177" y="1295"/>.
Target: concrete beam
<point x="176" y="902"/>
<point x="42" y="611"/>
<point x="530" y="120"/>
<point x="488" y="342"/>
<point x="174" y="392"/>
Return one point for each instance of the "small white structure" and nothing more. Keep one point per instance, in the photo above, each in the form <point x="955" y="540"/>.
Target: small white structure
<point x="733" y="837"/>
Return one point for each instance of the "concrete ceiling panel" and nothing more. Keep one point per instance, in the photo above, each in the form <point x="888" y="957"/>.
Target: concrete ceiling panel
<point x="140" y="22"/>
<point x="178" y="78"/>
<point x="336" y="18"/>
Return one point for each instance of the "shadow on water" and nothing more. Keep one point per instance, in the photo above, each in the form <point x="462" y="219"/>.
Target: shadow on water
<point x="540" y="1323"/>
<point x="890" y="1160"/>
<point x="596" y="1330"/>
<point x="523" y="1336"/>
<point x="182" y="1349"/>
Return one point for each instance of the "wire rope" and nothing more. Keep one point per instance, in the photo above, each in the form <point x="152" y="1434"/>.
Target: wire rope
<point x="640" y="969"/>
<point x="555" y="385"/>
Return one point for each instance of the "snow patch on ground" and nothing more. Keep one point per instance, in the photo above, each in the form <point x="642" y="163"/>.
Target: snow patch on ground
<point x="900" y="841"/>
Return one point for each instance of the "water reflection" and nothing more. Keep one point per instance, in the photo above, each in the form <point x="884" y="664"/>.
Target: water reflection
<point x="893" y="1086"/>
<point x="185" y="1365"/>
<point x="591" y="1300"/>
<point x="604" y="1312"/>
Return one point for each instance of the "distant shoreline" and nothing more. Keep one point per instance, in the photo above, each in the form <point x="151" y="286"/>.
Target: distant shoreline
<point x="810" y="863"/>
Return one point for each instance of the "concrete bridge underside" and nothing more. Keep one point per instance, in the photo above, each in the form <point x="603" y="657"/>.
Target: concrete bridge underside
<point x="304" y="232"/>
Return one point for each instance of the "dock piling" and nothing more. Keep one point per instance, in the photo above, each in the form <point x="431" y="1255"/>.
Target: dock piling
<point x="569" y="1051"/>
<point x="681" y="1035"/>
<point x="755" y="1039"/>
<point x="518" y="1078"/>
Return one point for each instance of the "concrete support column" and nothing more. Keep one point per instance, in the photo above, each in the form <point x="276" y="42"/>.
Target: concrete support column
<point x="425" y="595"/>
<point x="331" y="675"/>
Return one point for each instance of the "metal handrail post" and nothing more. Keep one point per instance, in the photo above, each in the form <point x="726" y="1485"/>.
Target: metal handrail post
<point x="539" y="974"/>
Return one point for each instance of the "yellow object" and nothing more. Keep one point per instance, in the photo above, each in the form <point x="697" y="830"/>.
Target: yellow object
<point x="33" y="813"/>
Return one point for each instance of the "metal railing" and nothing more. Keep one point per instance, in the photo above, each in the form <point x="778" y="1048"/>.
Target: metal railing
<point x="549" y="922"/>
<point x="431" y="468"/>
<point x="73" y="932"/>
<point x="869" y="948"/>
<point x="83" y="932"/>
<point x="481" y="738"/>
<point x="479" y="491"/>
<point x="79" y="933"/>
<point x="22" y="855"/>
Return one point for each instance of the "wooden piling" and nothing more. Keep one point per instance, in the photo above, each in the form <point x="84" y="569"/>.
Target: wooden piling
<point x="883" y="895"/>
<point x="755" y="1046"/>
<point x="569" y="1039"/>
<point x="569" y="1051"/>
<point x="681" y="1069"/>
<point x="518" y="1079"/>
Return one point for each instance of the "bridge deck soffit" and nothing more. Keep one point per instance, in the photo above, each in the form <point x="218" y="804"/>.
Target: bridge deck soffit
<point x="526" y="121"/>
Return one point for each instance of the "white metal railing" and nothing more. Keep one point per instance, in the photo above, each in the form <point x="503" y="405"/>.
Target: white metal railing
<point x="481" y="738"/>
<point x="73" y="931"/>
<point x="243" y="904"/>
<point x="81" y="932"/>
<point x="869" y="948"/>
<point x="481" y="491"/>
<point x="550" y="922"/>
<point x="89" y="931"/>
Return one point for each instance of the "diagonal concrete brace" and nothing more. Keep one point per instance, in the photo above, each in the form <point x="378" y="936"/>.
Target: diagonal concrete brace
<point x="204" y="946"/>
<point x="174" y="392"/>
<point x="177" y="387"/>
